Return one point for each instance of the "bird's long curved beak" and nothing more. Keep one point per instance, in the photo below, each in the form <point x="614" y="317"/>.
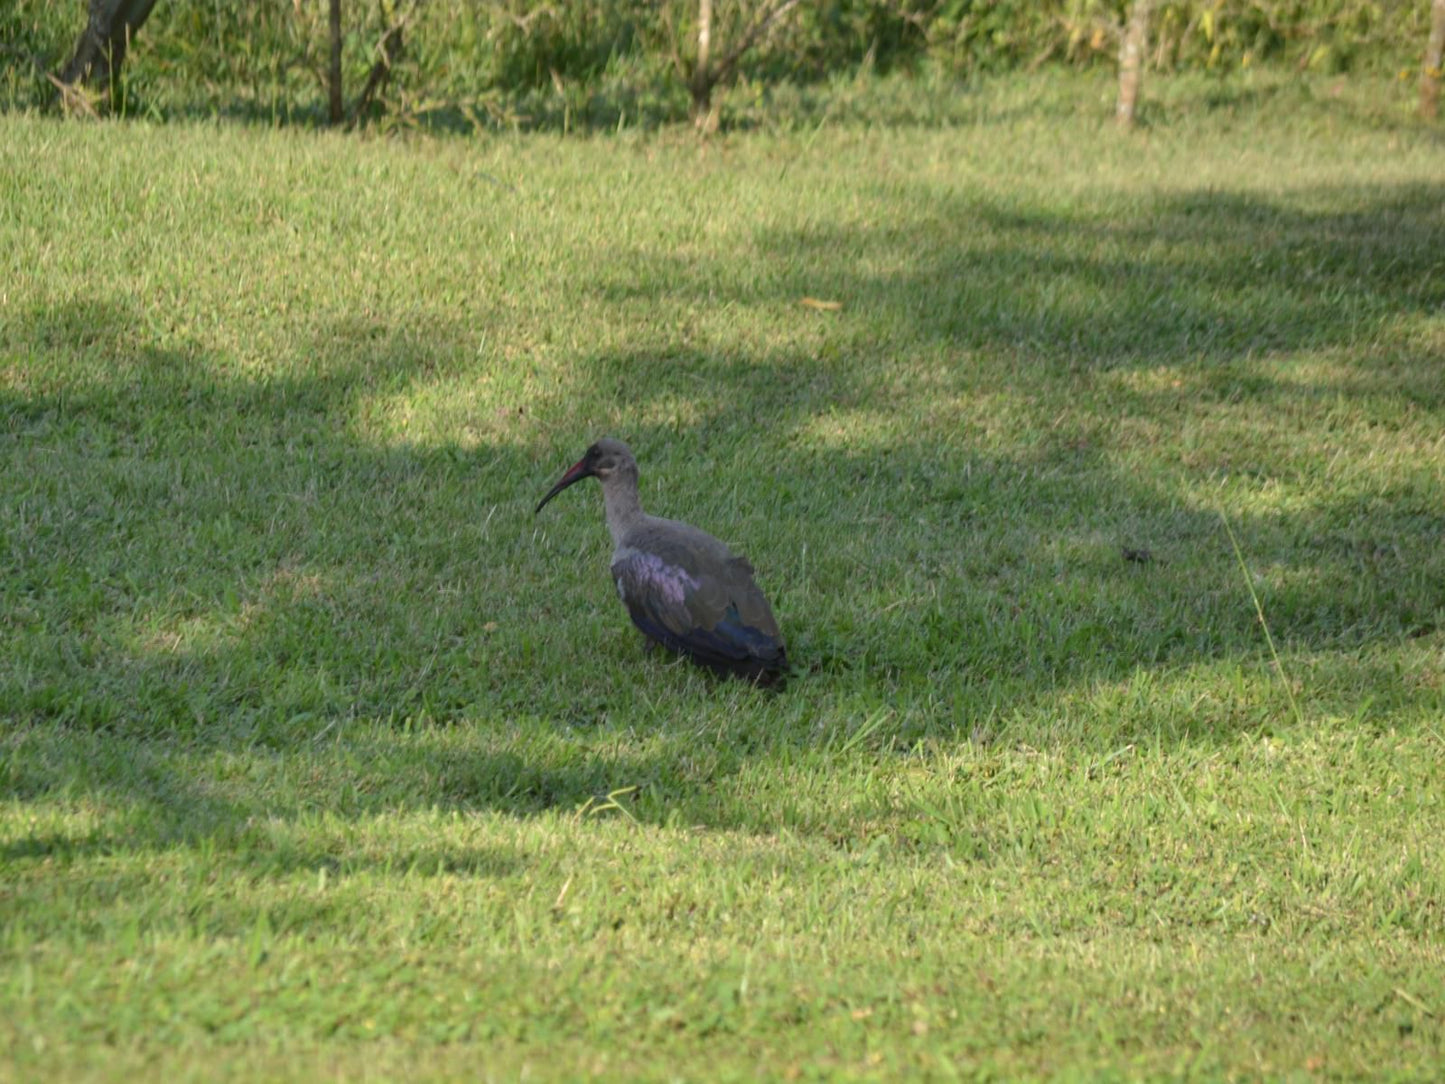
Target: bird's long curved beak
<point x="575" y="473"/>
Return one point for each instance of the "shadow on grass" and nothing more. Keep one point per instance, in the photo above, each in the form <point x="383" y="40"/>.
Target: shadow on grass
<point x="206" y="562"/>
<point x="1209" y="277"/>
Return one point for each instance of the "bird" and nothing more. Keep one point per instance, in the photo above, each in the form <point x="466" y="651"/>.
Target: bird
<point x="683" y="588"/>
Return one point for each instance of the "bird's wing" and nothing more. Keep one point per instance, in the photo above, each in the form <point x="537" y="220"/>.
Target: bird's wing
<point x="718" y="616"/>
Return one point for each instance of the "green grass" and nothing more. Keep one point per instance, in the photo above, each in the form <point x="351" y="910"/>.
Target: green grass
<point x="320" y="748"/>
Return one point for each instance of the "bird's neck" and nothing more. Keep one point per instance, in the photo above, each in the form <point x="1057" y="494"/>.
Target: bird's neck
<point x="624" y="509"/>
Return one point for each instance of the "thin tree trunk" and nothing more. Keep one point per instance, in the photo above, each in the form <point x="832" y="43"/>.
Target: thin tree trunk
<point x="333" y="75"/>
<point x="101" y="49"/>
<point x="1430" y="70"/>
<point x="707" y="75"/>
<point x="1131" y="62"/>
<point x="702" y="71"/>
<point x="388" y="52"/>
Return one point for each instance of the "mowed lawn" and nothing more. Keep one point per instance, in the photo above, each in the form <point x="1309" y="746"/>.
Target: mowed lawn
<point x="323" y="758"/>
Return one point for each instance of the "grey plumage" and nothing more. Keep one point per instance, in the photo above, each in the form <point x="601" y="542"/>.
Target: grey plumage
<point x="683" y="588"/>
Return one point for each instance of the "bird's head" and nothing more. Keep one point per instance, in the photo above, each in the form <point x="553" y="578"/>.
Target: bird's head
<point x="605" y="459"/>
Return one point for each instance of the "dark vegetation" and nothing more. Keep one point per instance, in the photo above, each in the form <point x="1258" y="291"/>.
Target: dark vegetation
<point x="623" y="63"/>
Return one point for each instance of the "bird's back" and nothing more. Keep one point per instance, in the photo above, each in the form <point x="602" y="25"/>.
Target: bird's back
<point x="690" y="592"/>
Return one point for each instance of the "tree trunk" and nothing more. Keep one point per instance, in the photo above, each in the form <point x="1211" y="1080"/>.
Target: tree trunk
<point x="702" y="72"/>
<point x="1131" y="62"/>
<point x="708" y="75"/>
<point x="388" y="52"/>
<point x="1430" y="70"/>
<point x="333" y="74"/>
<point x="101" y="50"/>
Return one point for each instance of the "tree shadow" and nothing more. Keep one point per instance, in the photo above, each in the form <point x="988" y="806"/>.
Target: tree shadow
<point x="1205" y="276"/>
<point x="1206" y="308"/>
<point x="248" y="569"/>
<point x="207" y="564"/>
<point x="975" y="520"/>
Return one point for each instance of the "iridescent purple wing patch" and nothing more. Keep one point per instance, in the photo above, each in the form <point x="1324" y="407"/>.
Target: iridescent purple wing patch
<point x="647" y="578"/>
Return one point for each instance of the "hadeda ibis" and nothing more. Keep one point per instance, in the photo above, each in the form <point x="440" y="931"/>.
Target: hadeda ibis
<point x="684" y="589"/>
